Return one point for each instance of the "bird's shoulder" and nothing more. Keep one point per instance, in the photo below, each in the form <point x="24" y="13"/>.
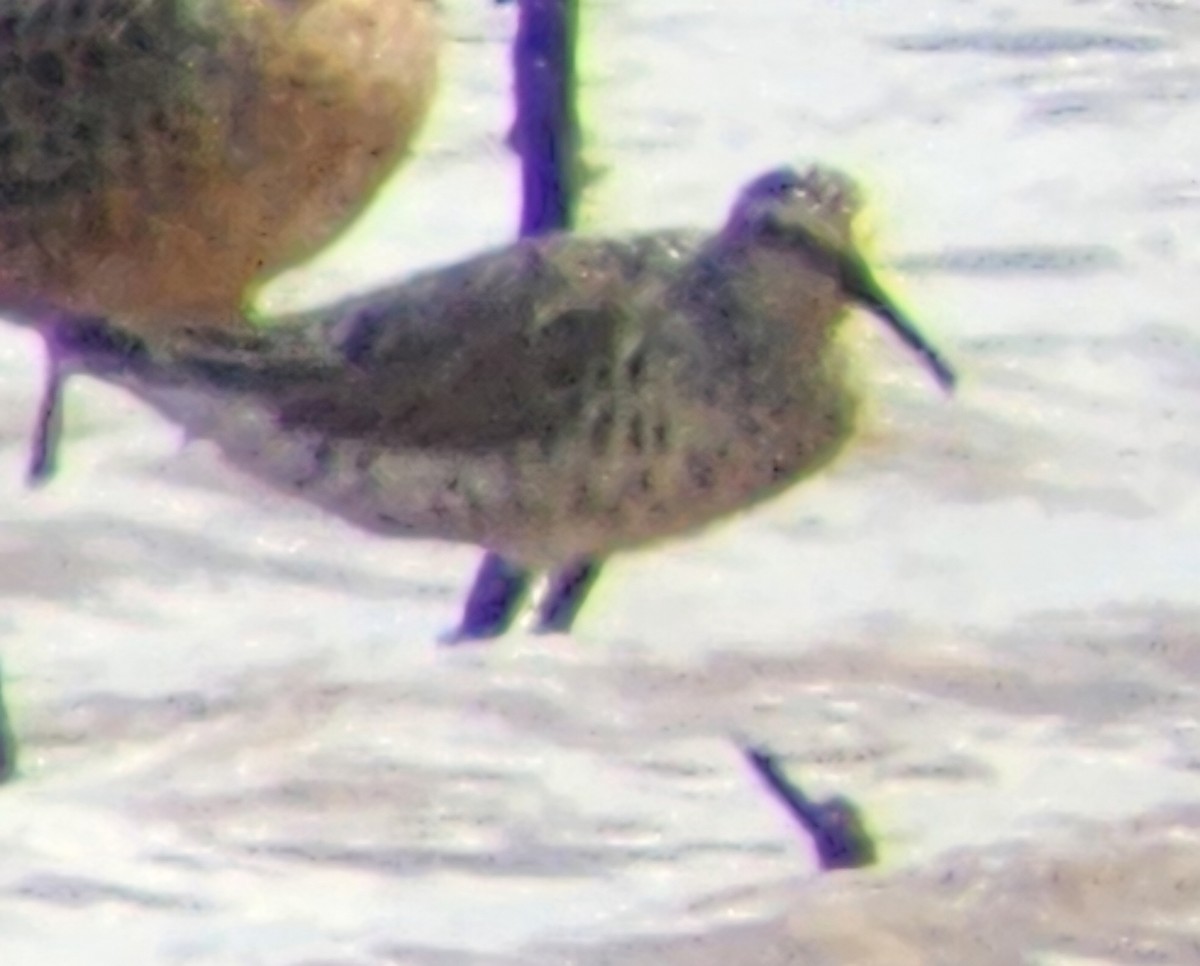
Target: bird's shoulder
<point x="510" y="294"/>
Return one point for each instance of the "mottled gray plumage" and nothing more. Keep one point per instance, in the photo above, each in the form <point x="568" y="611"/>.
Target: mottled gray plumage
<point x="554" y="401"/>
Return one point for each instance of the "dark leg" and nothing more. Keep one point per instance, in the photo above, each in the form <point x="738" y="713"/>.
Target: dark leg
<point x="565" y="596"/>
<point x="495" y="598"/>
<point x="8" y="745"/>
<point x="47" y="432"/>
<point x="837" y="827"/>
<point x="546" y="130"/>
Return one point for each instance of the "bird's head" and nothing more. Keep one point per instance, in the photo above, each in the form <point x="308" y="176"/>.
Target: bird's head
<point x="810" y="213"/>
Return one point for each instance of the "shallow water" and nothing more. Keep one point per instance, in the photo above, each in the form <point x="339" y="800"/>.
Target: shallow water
<point x="240" y="744"/>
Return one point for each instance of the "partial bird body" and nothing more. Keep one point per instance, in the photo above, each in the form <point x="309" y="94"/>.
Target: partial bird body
<point x="556" y="401"/>
<point x="157" y="157"/>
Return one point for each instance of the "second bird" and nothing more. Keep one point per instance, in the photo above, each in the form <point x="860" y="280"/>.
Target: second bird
<point x="158" y="158"/>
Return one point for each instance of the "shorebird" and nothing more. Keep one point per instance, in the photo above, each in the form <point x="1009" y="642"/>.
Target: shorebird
<point x="555" y="401"/>
<point x="161" y="158"/>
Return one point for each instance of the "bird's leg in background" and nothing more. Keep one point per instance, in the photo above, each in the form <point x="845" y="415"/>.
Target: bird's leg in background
<point x="8" y="743"/>
<point x="47" y="430"/>
<point x="69" y="340"/>
<point x="546" y="138"/>
<point x="565" y="594"/>
<point x="546" y="128"/>
<point x="836" y="825"/>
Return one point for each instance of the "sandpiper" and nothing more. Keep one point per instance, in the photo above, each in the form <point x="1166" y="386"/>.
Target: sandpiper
<point x="159" y="158"/>
<point x="555" y="401"/>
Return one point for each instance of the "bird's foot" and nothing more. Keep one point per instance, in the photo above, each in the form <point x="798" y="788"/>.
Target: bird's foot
<point x="837" y="828"/>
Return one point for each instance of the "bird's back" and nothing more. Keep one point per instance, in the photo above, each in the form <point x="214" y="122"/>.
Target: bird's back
<point x="492" y="352"/>
<point x="156" y="156"/>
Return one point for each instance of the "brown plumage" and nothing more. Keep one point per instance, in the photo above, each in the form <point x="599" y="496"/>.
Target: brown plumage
<point x="159" y="158"/>
<point x="555" y="401"/>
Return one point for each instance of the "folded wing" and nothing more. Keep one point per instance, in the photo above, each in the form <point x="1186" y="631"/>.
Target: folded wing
<point x="503" y="348"/>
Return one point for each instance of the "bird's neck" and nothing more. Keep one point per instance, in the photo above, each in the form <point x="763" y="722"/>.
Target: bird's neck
<point x="769" y="310"/>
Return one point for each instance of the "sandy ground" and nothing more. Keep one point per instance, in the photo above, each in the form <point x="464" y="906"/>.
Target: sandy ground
<point x="240" y="742"/>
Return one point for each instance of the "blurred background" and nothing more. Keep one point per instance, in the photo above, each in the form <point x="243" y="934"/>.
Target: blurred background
<point x="239" y="742"/>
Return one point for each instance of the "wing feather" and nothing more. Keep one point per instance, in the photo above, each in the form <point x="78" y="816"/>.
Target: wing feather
<point x="502" y="348"/>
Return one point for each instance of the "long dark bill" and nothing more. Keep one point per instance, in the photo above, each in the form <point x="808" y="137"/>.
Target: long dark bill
<point x="860" y="283"/>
